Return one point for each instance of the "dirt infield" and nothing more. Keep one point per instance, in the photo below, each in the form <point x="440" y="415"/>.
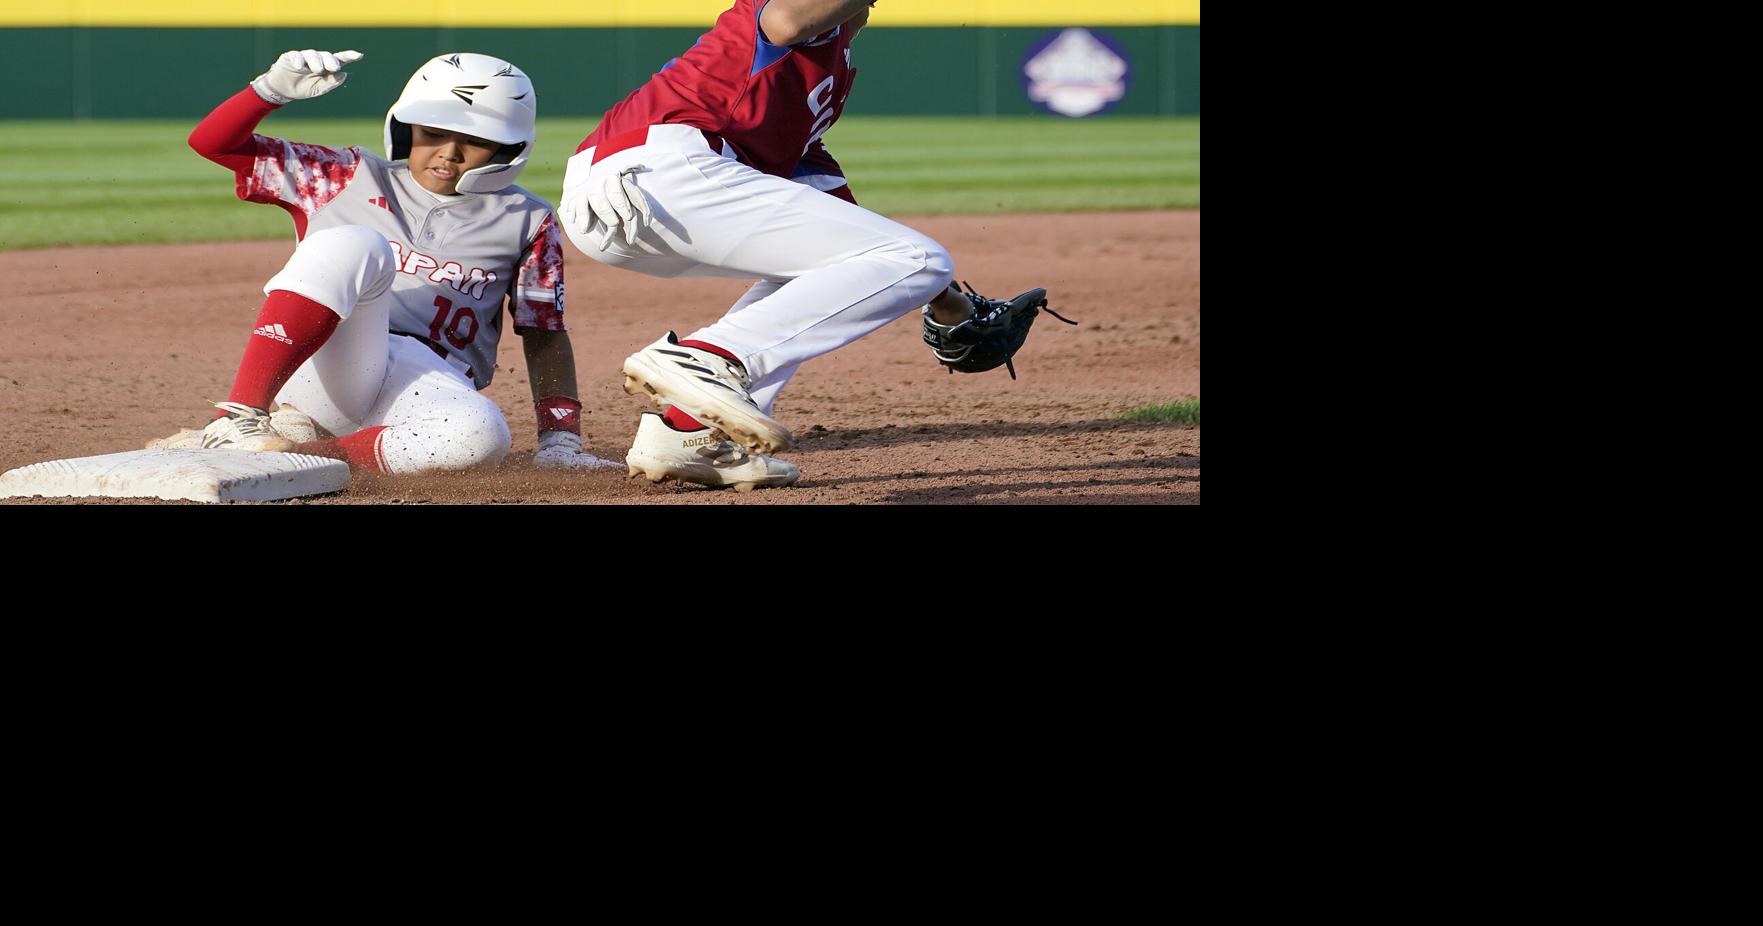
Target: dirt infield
<point x="106" y="348"/>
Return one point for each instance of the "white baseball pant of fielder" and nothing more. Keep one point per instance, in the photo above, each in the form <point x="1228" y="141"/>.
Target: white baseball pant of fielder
<point x="829" y="272"/>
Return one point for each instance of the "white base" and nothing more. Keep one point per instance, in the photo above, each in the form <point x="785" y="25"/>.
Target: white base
<point x="196" y="475"/>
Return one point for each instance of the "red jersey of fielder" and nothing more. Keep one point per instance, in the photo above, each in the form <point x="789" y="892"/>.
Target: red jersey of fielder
<point x="772" y="103"/>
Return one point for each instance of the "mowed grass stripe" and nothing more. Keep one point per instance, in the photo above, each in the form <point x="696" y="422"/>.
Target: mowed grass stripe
<point x="1079" y="199"/>
<point x="79" y="193"/>
<point x="148" y="225"/>
<point x="138" y="182"/>
<point x="1038" y="174"/>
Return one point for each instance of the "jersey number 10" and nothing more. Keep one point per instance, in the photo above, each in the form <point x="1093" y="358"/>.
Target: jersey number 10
<point x="464" y="319"/>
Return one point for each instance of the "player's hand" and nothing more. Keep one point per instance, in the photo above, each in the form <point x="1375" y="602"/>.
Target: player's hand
<point x="302" y="75"/>
<point x="563" y="450"/>
<point x="610" y="204"/>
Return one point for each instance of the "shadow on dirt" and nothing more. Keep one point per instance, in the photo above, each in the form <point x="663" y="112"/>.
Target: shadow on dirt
<point x="1177" y="477"/>
<point x="820" y="438"/>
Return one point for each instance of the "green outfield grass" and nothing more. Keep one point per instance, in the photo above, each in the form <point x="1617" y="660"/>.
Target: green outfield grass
<point x="136" y="182"/>
<point x="1181" y="411"/>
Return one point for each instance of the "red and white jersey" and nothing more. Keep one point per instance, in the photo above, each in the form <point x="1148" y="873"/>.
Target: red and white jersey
<point x="771" y="102"/>
<point x="459" y="256"/>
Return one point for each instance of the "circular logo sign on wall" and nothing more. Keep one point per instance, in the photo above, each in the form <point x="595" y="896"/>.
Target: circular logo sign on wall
<point x="1076" y="72"/>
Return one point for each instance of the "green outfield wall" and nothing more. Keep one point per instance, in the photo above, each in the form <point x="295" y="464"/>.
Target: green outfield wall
<point x="66" y="68"/>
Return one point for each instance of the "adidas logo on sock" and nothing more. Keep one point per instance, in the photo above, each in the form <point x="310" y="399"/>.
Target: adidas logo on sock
<point x="561" y="413"/>
<point x="275" y="333"/>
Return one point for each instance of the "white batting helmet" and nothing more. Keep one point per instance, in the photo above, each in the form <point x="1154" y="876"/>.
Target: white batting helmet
<point x="475" y="94"/>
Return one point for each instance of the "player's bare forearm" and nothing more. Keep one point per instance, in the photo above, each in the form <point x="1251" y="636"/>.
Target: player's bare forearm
<point x="550" y="363"/>
<point x="787" y="22"/>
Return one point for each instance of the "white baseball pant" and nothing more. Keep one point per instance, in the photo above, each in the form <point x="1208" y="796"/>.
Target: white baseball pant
<point x="365" y="376"/>
<point x="829" y="272"/>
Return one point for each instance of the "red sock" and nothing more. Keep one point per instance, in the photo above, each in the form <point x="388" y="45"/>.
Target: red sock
<point x="290" y="329"/>
<point x="360" y="450"/>
<point x="680" y="420"/>
<point x="715" y="350"/>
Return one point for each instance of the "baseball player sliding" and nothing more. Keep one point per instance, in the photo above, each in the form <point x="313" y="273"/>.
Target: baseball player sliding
<point x="378" y="333"/>
<point x="715" y="168"/>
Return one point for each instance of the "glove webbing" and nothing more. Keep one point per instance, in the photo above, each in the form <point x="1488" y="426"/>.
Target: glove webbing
<point x="980" y="302"/>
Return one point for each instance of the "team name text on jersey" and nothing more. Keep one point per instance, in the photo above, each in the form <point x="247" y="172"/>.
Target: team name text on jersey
<point x="818" y="98"/>
<point x="416" y="263"/>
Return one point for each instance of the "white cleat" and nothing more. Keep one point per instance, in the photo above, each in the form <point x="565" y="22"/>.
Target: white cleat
<point x="707" y="387"/>
<point x="288" y="421"/>
<point x="184" y="439"/>
<point x="243" y="428"/>
<point x="296" y="425"/>
<point x="660" y="453"/>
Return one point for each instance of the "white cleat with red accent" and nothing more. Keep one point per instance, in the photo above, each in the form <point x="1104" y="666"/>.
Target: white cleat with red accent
<point x="710" y="388"/>
<point x="660" y="453"/>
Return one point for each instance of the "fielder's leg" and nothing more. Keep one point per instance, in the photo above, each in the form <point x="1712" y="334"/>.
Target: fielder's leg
<point x="764" y="391"/>
<point x="847" y="271"/>
<point x="676" y="446"/>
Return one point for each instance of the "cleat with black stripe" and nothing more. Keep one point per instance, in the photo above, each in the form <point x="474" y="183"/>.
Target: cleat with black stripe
<point x="662" y="452"/>
<point x="710" y="388"/>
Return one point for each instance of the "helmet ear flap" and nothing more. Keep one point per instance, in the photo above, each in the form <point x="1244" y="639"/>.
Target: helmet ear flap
<point x="400" y="147"/>
<point x="506" y="154"/>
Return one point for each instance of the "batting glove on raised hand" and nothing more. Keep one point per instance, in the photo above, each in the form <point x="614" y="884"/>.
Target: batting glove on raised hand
<point x="302" y="75"/>
<point x="563" y="450"/>
<point x="611" y="203"/>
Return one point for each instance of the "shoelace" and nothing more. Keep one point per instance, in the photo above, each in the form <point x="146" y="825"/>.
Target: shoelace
<point x="981" y="303"/>
<point x="248" y="421"/>
<point x="726" y="453"/>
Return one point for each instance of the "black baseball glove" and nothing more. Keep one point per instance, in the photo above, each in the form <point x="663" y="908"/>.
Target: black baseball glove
<point x="991" y="335"/>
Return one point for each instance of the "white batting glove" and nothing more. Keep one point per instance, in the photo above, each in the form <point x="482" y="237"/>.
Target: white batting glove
<point x="302" y="75"/>
<point x="563" y="450"/>
<point x="610" y="204"/>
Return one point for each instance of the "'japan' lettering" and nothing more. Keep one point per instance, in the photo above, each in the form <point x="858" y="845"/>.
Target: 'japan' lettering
<point x="450" y="274"/>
